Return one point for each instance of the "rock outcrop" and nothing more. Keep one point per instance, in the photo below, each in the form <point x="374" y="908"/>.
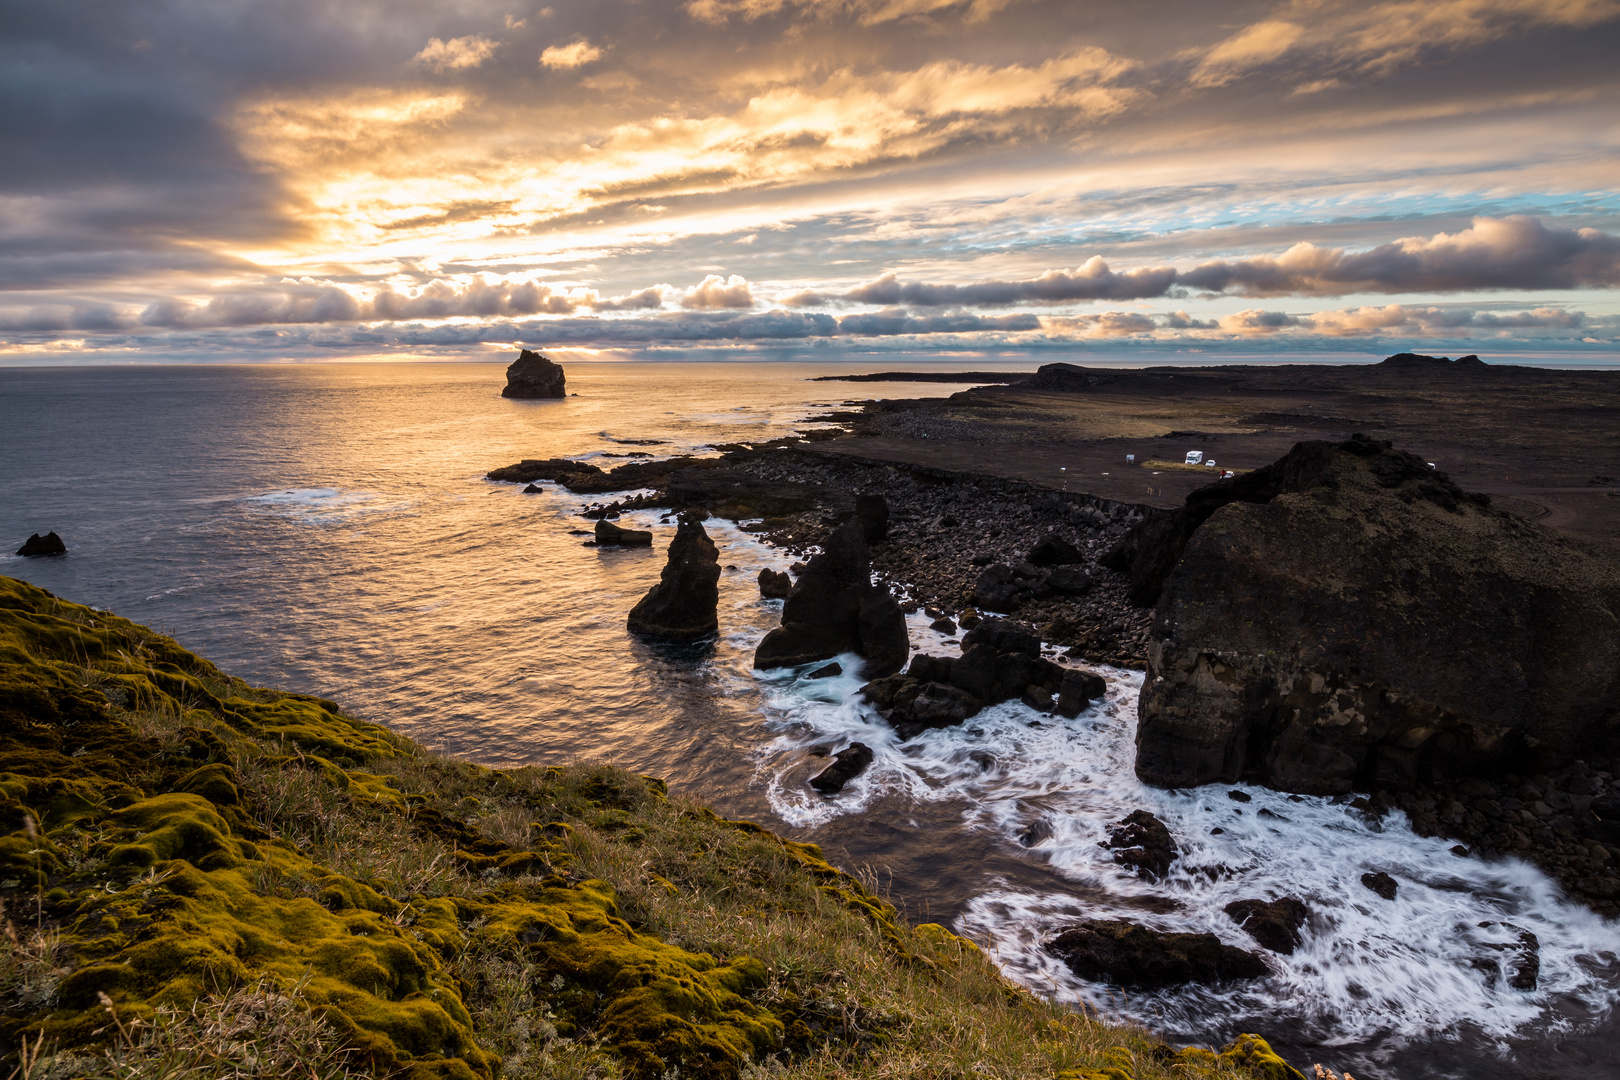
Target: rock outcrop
<point x="774" y="584"/>
<point x="534" y="376"/>
<point x="684" y="605"/>
<point x="834" y="608"/>
<point x="847" y="764"/>
<point x="1348" y="618"/>
<point x="36" y="545"/>
<point x="1273" y="923"/>
<point x="872" y="511"/>
<point x="611" y="535"/>
<point x="1143" y="842"/>
<point x="1001" y="661"/>
<point x="1112" y="950"/>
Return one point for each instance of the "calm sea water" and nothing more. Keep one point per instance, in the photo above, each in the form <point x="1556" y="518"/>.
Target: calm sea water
<point x="328" y="529"/>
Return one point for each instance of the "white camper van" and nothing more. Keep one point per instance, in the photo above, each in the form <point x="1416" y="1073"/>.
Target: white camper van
<point x="1195" y="457"/>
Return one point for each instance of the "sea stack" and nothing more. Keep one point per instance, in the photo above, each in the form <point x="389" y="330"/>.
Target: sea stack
<point x="36" y="545"/>
<point x="684" y="605"/>
<point x="1347" y="616"/>
<point x="534" y="376"/>
<point x="834" y="608"/>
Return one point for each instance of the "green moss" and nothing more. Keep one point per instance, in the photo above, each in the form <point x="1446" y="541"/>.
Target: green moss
<point x="177" y="835"/>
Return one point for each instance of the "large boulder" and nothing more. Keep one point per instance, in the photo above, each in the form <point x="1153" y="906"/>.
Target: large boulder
<point x="1142" y="842"/>
<point x="834" y="608"/>
<point x="1273" y="923"/>
<point x="534" y="376"/>
<point x="1347" y="617"/>
<point x="1111" y="950"/>
<point x="684" y="605"/>
<point x="609" y="534"/>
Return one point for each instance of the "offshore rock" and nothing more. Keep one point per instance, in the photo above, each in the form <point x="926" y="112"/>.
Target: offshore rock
<point x="834" y="608"/>
<point x="847" y="764"/>
<point x="1381" y="883"/>
<point x="774" y="584"/>
<point x="608" y="533"/>
<point x="684" y="605"/>
<point x="1142" y="841"/>
<point x="1112" y="950"/>
<point x="1077" y="690"/>
<point x="534" y="376"/>
<point x="1274" y="924"/>
<point x="1347" y="617"/>
<point x="36" y="545"/>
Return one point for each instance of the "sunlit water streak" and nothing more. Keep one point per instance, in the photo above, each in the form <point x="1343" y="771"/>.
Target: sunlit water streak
<point x="328" y="529"/>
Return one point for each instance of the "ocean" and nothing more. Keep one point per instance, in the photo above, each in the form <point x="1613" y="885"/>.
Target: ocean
<point x="328" y="529"/>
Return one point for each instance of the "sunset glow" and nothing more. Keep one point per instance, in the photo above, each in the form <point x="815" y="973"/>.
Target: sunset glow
<point x="810" y="177"/>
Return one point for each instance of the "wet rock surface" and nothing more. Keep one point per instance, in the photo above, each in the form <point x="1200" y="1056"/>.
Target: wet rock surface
<point x="609" y="534"/>
<point x="1273" y="923"/>
<point x="774" y="584"/>
<point x="1370" y="625"/>
<point x="847" y="764"/>
<point x="1142" y="842"/>
<point x="1381" y="883"/>
<point x="1135" y="956"/>
<point x="683" y="606"/>
<point x="1517" y="962"/>
<point x="37" y="545"/>
<point x="835" y="608"/>
<point x="1001" y="661"/>
<point x="532" y="375"/>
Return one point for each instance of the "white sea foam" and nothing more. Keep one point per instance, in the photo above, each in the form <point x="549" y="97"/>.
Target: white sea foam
<point x="1369" y="969"/>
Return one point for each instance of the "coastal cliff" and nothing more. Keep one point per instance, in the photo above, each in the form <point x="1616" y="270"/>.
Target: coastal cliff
<point x="195" y="870"/>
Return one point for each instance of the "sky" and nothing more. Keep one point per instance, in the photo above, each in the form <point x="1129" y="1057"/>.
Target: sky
<point x="294" y="180"/>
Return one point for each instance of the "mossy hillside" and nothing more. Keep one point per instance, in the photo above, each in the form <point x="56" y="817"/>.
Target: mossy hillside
<point x="175" y="837"/>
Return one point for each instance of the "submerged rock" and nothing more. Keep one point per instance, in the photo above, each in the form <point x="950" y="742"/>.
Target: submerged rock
<point x="1348" y="617"/>
<point x="1112" y="950"/>
<point x="36" y="545"/>
<point x="834" y="608"/>
<point x="1142" y="841"/>
<point x="611" y="534"/>
<point x="684" y="605"/>
<point x="532" y="375"/>
<point x="774" y="584"/>
<point x="847" y="764"/>
<point x="1518" y="961"/>
<point x="1274" y="923"/>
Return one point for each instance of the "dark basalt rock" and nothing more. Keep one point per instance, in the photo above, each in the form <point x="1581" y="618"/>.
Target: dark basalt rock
<point x="1602" y="819"/>
<point x="944" y="625"/>
<point x="1079" y="689"/>
<point x="1001" y="660"/>
<point x="835" y="608"/>
<point x="1142" y="841"/>
<point x="774" y="584"/>
<point x="36" y="545"/>
<point x="608" y="533"/>
<point x="684" y="605"/>
<point x="1381" y="883"/>
<point x="1004" y="587"/>
<point x="847" y="764"/>
<point x="1348" y="618"/>
<point x="826" y="671"/>
<point x="1274" y="924"/>
<point x="533" y="489"/>
<point x="1069" y="581"/>
<point x="1055" y="551"/>
<point x="534" y="376"/>
<point x="872" y="511"/>
<point x="1125" y="953"/>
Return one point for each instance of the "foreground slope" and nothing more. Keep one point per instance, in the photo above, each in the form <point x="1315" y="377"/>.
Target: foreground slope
<point x="199" y="874"/>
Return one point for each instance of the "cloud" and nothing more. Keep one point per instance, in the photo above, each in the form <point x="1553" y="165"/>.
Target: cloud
<point x="457" y="53"/>
<point x="715" y="291"/>
<point x="895" y="321"/>
<point x="576" y="54"/>
<point x="1400" y="320"/>
<point x="1494" y="253"/>
<point x="803" y="298"/>
<point x="866" y="12"/>
<point x="1375" y="39"/>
